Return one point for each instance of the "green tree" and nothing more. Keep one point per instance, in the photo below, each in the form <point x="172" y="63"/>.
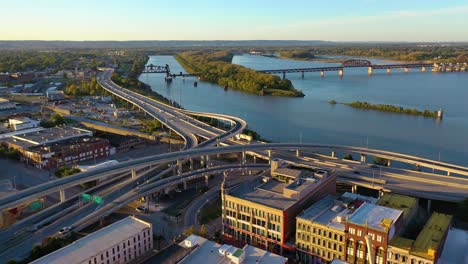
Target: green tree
<point x="203" y="232"/>
<point x="58" y="119"/>
<point x="348" y="157"/>
<point x="189" y="231"/>
<point x="381" y="161"/>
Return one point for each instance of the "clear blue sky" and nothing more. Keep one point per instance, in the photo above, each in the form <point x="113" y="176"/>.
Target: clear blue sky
<point x="335" y="20"/>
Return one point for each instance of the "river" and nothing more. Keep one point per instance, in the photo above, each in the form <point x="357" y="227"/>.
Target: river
<point x="312" y="119"/>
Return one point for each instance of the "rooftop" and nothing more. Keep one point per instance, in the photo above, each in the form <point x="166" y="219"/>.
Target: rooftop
<point x="331" y="211"/>
<point x="209" y="252"/>
<point x="47" y="136"/>
<point x="431" y="235"/>
<point x="455" y="247"/>
<point x="292" y="173"/>
<point x="399" y="202"/>
<point x="375" y="216"/>
<point x="402" y="242"/>
<point x="99" y="241"/>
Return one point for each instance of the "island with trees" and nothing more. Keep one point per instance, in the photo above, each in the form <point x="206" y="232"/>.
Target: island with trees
<point x="216" y="67"/>
<point x="389" y="108"/>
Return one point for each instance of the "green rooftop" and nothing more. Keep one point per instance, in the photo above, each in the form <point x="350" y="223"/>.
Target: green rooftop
<point x="401" y="242"/>
<point x="399" y="202"/>
<point x="429" y="239"/>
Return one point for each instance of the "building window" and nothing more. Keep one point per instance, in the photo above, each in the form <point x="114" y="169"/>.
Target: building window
<point x="360" y="250"/>
<point x="352" y="231"/>
<point x="379" y="238"/>
<point x="359" y="232"/>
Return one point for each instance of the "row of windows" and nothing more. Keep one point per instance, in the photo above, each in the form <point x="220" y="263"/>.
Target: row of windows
<point x="398" y="258"/>
<point x="254" y="211"/>
<point x="320" y="242"/>
<point x="375" y="237"/>
<point x="320" y="232"/>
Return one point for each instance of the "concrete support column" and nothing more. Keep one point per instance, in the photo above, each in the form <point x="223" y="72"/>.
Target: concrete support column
<point x="298" y="152"/>
<point x="322" y="74"/>
<point x="448" y="173"/>
<point x="429" y="205"/>
<point x="179" y="167"/>
<point x="254" y="159"/>
<point x="244" y="158"/>
<point x="207" y="178"/>
<point x="354" y="189"/>
<point x="134" y="174"/>
<point x="269" y="156"/>
<point x="369" y="70"/>
<point x="284" y="75"/>
<point x="333" y="154"/>
<point x="406" y="70"/>
<point x="62" y="195"/>
<point x="185" y="185"/>
<point x="423" y="69"/>
<point x="302" y="75"/>
<point x="208" y="162"/>
<point x="340" y="73"/>
<point x="202" y="161"/>
<point x="389" y="71"/>
<point x="389" y="163"/>
<point x="363" y="157"/>
<point x="191" y="164"/>
<point x="381" y="193"/>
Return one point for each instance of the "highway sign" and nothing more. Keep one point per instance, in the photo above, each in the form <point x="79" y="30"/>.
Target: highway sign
<point x="36" y="205"/>
<point x="97" y="199"/>
<point x="86" y="197"/>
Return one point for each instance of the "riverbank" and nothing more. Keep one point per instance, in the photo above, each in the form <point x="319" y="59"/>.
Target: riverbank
<point x="214" y="68"/>
<point x="391" y="109"/>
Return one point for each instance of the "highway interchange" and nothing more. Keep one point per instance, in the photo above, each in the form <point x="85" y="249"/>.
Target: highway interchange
<point x="122" y="189"/>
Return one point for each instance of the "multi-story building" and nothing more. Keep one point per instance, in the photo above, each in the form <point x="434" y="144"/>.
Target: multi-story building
<point x="54" y="147"/>
<point x="320" y="229"/>
<point x="262" y="212"/>
<point x="426" y="248"/>
<point x="6" y="104"/>
<point x="368" y="231"/>
<point x="125" y="241"/>
<point x="409" y="205"/>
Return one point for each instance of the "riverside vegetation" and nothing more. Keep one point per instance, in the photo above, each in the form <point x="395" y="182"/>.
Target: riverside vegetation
<point x="389" y="108"/>
<point x="216" y="67"/>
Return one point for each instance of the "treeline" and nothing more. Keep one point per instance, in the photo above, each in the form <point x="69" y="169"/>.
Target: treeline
<point x="92" y="87"/>
<point x="216" y="68"/>
<point x="297" y="54"/>
<point x="34" y="60"/>
<point x="391" y="108"/>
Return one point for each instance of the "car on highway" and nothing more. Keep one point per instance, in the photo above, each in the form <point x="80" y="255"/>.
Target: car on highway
<point x="142" y="209"/>
<point x="178" y="190"/>
<point x="33" y="229"/>
<point x="65" y="230"/>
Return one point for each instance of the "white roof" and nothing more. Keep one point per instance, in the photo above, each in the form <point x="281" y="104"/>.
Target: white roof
<point x="373" y="215"/>
<point x="99" y="241"/>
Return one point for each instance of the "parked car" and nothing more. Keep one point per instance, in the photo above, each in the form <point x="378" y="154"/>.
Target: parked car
<point x="142" y="209"/>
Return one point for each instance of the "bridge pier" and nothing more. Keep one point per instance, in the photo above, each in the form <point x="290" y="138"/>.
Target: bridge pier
<point x="185" y="185"/>
<point x="389" y="71"/>
<point x="354" y="189"/>
<point x="363" y="157"/>
<point x="389" y="163"/>
<point x="302" y="75"/>
<point x="208" y="162"/>
<point x="179" y="167"/>
<point x="340" y="73"/>
<point x="298" y="152"/>
<point x="429" y="205"/>
<point x="255" y="159"/>
<point x="191" y="164"/>
<point x="381" y="193"/>
<point x="269" y="156"/>
<point x="284" y="75"/>
<point x="134" y="174"/>
<point x="423" y="69"/>
<point x="62" y="195"/>
<point x="244" y="158"/>
<point x="369" y="70"/>
<point x="322" y="74"/>
<point x="406" y="69"/>
<point x="448" y="173"/>
<point x="202" y="161"/>
<point x="207" y="178"/>
<point x="333" y="154"/>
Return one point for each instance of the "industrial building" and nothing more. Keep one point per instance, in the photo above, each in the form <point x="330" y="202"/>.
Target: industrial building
<point x="206" y="251"/>
<point x="262" y="212"/>
<point x="122" y="242"/>
<point x="320" y="229"/>
<point x="58" y="146"/>
<point x="21" y="123"/>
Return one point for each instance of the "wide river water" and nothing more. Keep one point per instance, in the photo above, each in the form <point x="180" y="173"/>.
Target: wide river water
<point x="312" y="119"/>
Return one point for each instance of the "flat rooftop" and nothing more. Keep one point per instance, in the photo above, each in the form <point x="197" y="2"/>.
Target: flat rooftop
<point x="269" y="194"/>
<point x="375" y="216"/>
<point x="431" y="235"/>
<point x="208" y="252"/>
<point x="455" y="247"/>
<point x="399" y="202"/>
<point x="47" y="136"/>
<point x="99" y="241"/>
<point x="332" y="210"/>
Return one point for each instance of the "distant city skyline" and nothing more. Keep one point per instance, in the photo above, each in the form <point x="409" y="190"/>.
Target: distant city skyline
<point x="358" y="20"/>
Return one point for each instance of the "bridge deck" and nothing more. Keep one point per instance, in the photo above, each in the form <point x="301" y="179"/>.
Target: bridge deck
<point x="337" y="68"/>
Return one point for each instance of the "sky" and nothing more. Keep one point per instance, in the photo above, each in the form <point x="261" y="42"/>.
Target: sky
<point x="332" y="20"/>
